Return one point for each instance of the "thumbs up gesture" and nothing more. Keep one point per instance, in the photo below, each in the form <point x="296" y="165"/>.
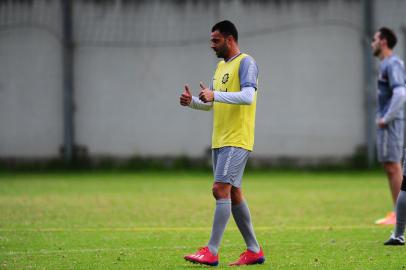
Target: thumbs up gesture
<point x="186" y="97"/>
<point x="206" y="95"/>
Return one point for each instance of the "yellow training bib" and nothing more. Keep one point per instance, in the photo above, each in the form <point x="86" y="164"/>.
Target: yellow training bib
<point x="233" y="125"/>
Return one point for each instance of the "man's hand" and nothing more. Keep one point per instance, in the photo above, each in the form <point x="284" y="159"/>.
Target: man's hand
<point x="186" y="97"/>
<point x="206" y="95"/>
<point x="381" y="123"/>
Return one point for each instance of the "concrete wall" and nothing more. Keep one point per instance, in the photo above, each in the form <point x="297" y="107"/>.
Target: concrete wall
<point x="310" y="98"/>
<point x="31" y="123"/>
<point x="132" y="61"/>
<point x="391" y="13"/>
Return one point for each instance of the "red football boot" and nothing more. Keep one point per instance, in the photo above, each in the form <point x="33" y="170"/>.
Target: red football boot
<point x="203" y="256"/>
<point x="249" y="257"/>
<point x="389" y="219"/>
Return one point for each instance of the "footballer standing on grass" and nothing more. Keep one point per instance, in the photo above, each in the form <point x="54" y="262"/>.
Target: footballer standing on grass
<point x="391" y="97"/>
<point x="232" y="96"/>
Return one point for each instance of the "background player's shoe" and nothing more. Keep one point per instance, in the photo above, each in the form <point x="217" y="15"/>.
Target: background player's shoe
<point x="203" y="256"/>
<point x="389" y="219"/>
<point x="395" y="241"/>
<point x="249" y="257"/>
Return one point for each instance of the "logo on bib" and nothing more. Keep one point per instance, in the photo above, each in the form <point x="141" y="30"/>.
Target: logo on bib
<point x="225" y="78"/>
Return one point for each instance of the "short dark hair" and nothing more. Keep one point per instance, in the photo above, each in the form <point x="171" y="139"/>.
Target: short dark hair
<point x="389" y="35"/>
<point x="226" y="28"/>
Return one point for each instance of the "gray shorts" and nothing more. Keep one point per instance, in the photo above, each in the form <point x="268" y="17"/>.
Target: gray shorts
<point x="389" y="142"/>
<point x="229" y="164"/>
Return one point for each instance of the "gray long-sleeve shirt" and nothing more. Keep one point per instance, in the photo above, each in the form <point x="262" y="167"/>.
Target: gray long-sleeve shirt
<point x="391" y="89"/>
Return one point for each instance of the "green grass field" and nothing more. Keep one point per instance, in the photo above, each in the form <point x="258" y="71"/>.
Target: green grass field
<point x="150" y="220"/>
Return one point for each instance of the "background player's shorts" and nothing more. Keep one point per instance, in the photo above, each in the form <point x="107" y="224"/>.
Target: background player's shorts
<point x="389" y="142"/>
<point x="229" y="164"/>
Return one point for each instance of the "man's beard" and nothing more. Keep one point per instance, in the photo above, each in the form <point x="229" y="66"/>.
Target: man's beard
<point x="377" y="52"/>
<point x="221" y="52"/>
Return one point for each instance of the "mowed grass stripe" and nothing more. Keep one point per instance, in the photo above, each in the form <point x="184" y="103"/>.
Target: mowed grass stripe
<point x="191" y="229"/>
<point x="92" y="250"/>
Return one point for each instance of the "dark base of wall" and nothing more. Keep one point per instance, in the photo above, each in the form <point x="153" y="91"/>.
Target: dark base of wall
<point x="176" y="163"/>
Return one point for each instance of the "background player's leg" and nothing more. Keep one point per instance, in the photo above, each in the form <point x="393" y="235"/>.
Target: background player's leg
<point x="389" y="150"/>
<point x="401" y="211"/>
<point x="401" y="205"/>
<point x="394" y="173"/>
<point x="397" y="238"/>
<point x="242" y="217"/>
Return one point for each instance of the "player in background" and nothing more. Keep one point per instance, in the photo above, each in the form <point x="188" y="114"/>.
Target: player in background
<point x="232" y="97"/>
<point x="390" y="116"/>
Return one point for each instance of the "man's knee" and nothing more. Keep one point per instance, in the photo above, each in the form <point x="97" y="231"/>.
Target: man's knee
<point x="392" y="167"/>
<point x="236" y="195"/>
<point x="221" y="191"/>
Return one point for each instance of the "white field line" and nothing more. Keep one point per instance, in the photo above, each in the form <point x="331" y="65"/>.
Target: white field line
<point x="87" y="250"/>
<point x="176" y="229"/>
<point x="95" y="250"/>
<point x="122" y="251"/>
<point x="157" y="229"/>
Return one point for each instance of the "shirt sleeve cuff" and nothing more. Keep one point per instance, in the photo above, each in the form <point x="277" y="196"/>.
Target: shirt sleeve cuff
<point x="215" y="96"/>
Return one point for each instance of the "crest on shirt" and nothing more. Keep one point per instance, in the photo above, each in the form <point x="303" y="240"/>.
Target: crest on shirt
<point x="383" y="77"/>
<point x="225" y="78"/>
